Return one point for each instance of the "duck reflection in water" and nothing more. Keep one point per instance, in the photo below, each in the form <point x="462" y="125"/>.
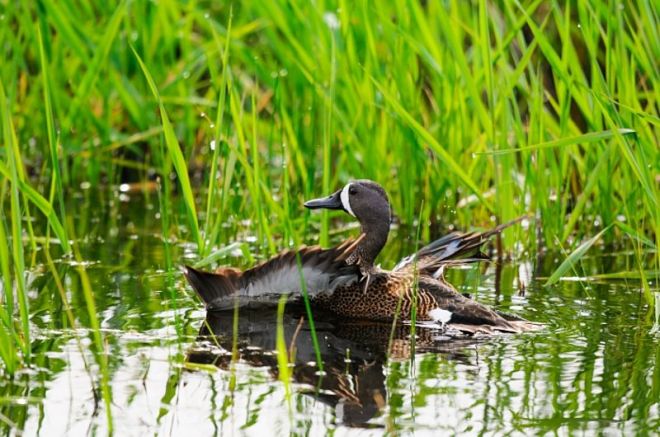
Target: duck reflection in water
<point x="354" y="354"/>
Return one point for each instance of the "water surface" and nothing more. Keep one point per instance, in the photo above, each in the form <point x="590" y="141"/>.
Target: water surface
<point x="592" y="369"/>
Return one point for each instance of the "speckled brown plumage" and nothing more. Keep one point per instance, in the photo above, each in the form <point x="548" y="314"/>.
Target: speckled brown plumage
<point x="389" y="290"/>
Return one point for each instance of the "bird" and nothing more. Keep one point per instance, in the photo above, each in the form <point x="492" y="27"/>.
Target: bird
<point x="345" y="280"/>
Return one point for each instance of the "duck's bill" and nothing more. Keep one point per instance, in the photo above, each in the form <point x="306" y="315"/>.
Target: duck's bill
<point x="333" y="201"/>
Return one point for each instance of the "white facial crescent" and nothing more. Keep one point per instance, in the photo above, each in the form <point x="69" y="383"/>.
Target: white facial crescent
<point x="344" y="200"/>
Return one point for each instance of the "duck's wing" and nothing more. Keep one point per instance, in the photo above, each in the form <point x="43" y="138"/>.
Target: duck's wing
<point x="310" y="268"/>
<point x="453" y="249"/>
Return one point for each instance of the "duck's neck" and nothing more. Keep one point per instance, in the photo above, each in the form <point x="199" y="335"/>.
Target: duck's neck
<point x="375" y="237"/>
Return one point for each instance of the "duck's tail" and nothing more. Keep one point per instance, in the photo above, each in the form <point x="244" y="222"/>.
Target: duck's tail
<point x="213" y="288"/>
<point x="517" y="323"/>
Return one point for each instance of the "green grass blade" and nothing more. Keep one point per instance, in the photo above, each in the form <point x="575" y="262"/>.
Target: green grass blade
<point x="60" y="17"/>
<point x="636" y="235"/>
<point x="43" y="205"/>
<point x="222" y="100"/>
<point x="634" y="274"/>
<point x="5" y="266"/>
<point x="8" y="342"/>
<point x="97" y="62"/>
<point x="15" y="174"/>
<point x="574" y="258"/>
<point x="435" y="146"/>
<point x="17" y="252"/>
<point x="97" y="336"/>
<point x="310" y="316"/>
<point x="224" y="251"/>
<point x="283" y="353"/>
<point x="57" y="188"/>
<point x="179" y="162"/>
<point x="591" y="137"/>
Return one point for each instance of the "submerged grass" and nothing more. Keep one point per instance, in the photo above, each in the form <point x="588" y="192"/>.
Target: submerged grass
<point x="100" y="351"/>
<point x="284" y="371"/>
<point x="310" y="316"/>
<point x="487" y="109"/>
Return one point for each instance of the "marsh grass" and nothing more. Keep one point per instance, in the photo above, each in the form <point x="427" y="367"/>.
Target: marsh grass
<point x="487" y="110"/>
<point x="284" y="372"/>
<point x="365" y="90"/>
<point x="414" y="293"/>
<point x="99" y="350"/>
<point x="310" y="316"/>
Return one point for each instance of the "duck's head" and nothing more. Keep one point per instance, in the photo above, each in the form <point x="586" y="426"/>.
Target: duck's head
<point x="363" y="199"/>
<point x="366" y="201"/>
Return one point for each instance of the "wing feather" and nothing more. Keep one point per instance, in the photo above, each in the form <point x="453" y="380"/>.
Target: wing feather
<point x="452" y="249"/>
<point x="310" y="268"/>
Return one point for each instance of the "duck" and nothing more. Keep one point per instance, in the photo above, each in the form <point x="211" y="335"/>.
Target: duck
<point x="345" y="279"/>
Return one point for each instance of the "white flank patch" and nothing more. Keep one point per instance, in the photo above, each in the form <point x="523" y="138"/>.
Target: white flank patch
<point x="438" y="273"/>
<point x="439" y="315"/>
<point x="344" y="200"/>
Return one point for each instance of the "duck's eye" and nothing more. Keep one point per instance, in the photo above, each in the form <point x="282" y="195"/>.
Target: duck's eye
<point x="352" y="191"/>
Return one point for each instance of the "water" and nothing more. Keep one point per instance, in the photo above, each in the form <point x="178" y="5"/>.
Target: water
<point x="593" y="369"/>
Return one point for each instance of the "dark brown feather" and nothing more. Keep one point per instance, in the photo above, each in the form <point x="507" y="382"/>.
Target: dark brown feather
<point x="452" y="249"/>
<point x="216" y="289"/>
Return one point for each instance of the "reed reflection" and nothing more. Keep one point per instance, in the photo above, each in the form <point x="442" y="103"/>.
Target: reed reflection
<point x="354" y="354"/>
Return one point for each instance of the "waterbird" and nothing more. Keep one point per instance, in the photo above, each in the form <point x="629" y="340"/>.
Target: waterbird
<point x="346" y="281"/>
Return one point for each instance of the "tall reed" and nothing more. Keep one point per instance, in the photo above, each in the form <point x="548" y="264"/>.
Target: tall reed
<point x="433" y="98"/>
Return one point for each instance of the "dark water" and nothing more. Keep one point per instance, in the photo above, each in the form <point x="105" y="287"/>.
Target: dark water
<point x="593" y="369"/>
